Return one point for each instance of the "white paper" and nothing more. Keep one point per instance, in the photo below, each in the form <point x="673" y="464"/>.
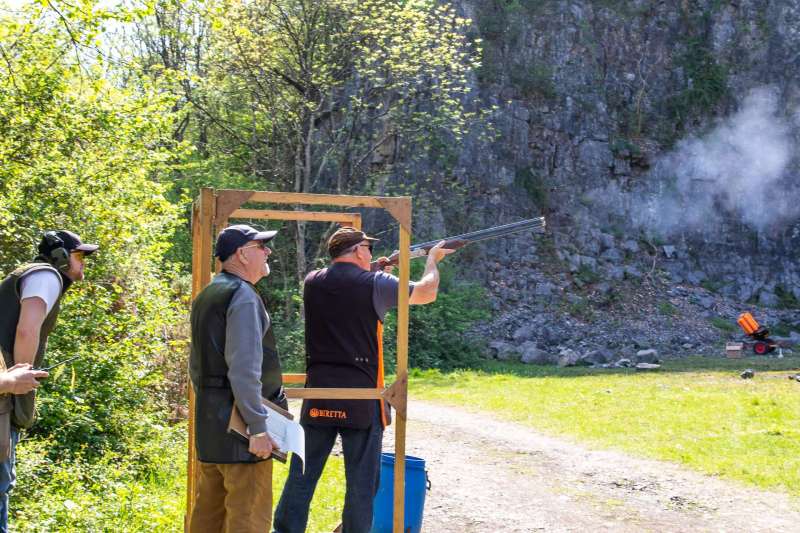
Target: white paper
<point x="287" y="434"/>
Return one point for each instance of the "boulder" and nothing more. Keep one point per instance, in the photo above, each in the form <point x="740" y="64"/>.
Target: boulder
<point x="616" y="273"/>
<point x="567" y="357"/>
<point x="647" y="356"/>
<point x="623" y="363"/>
<point x="630" y="246"/>
<point x="594" y="358"/>
<point x="631" y="272"/>
<point x="696" y="277"/>
<point x="524" y="332"/>
<point x="747" y="374"/>
<point x="532" y="355"/>
<point x="669" y="251"/>
<point x="647" y="366"/>
<point x="612" y="255"/>
<point x="503" y="350"/>
<point x="768" y="299"/>
<point x="544" y="289"/>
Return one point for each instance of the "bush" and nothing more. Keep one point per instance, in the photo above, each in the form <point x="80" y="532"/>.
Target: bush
<point x="437" y="331"/>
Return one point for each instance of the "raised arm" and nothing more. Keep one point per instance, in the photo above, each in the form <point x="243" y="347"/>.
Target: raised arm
<point x="427" y="288"/>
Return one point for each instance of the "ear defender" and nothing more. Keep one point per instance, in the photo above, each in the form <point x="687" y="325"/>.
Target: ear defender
<point x="58" y="253"/>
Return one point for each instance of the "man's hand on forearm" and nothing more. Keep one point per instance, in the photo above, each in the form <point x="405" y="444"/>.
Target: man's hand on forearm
<point x="20" y="379"/>
<point x="261" y="445"/>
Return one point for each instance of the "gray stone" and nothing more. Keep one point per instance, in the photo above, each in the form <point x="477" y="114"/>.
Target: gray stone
<point x="532" y="355"/>
<point x="616" y="273"/>
<point x="544" y="289"/>
<point x="647" y="356"/>
<point x="567" y="357"/>
<point x="696" y="277"/>
<point x="768" y="299"/>
<point x="524" y="332"/>
<point x="603" y="288"/>
<point x="504" y="351"/>
<point x="705" y="301"/>
<point x="647" y="366"/>
<point x="630" y="246"/>
<point x="632" y="272"/>
<point x="669" y="251"/>
<point x="606" y="240"/>
<point x="594" y="358"/>
<point x="612" y="255"/>
<point x="623" y="363"/>
<point x="747" y="374"/>
<point x="588" y="262"/>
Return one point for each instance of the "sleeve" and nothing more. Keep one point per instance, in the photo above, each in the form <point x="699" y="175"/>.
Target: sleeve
<point x="43" y="284"/>
<point x="384" y="293"/>
<point x="244" y="354"/>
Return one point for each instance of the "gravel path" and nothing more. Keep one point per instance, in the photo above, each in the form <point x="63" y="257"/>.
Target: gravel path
<point x="490" y="476"/>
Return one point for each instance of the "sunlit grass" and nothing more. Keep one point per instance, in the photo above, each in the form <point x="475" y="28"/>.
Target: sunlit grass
<point x="694" y="411"/>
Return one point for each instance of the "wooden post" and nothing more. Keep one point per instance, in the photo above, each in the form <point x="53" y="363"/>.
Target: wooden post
<point x="202" y="219"/>
<point x="213" y="210"/>
<point x="402" y="375"/>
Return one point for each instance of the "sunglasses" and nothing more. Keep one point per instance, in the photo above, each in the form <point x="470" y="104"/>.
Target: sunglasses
<point x="258" y="244"/>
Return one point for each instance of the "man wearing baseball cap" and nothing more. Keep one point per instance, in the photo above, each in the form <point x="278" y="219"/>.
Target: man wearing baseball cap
<point x="234" y="362"/>
<point x="30" y="298"/>
<point x="345" y="305"/>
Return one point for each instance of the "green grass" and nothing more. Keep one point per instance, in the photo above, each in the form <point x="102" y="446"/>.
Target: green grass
<point x="69" y="498"/>
<point x="695" y="411"/>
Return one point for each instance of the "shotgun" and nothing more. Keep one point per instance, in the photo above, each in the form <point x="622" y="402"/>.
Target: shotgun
<point x="459" y="241"/>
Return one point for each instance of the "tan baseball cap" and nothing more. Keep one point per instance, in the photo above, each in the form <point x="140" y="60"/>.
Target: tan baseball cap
<point x="344" y="238"/>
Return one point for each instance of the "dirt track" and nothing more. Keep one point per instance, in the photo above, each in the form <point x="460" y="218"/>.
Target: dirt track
<point x="490" y="476"/>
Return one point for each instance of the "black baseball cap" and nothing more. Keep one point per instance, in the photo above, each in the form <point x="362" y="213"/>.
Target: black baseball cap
<point x="234" y="237"/>
<point x="65" y="239"/>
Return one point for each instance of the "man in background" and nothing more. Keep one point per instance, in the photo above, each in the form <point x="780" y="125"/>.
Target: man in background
<point x="345" y="305"/>
<point x="30" y="298"/>
<point x="234" y="362"/>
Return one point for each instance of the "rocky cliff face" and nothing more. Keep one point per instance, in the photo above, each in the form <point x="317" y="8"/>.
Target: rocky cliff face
<point x="659" y="138"/>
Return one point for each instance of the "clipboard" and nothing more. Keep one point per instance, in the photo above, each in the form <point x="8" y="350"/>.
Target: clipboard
<point x="238" y="428"/>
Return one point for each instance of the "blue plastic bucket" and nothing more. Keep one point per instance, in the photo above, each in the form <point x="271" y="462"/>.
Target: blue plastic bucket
<point x="416" y="483"/>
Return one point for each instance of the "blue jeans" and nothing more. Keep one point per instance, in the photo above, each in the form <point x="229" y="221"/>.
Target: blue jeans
<point x="8" y="477"/>
<point x="362" y="462"/>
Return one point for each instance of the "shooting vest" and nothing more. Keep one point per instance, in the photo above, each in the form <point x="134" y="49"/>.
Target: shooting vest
<point x="213" y="395"/>
<point x="24" y="408"/>
<point x="343" y="345"/>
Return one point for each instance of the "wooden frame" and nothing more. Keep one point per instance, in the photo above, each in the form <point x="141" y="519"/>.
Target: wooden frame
<point x="211" y="212"/>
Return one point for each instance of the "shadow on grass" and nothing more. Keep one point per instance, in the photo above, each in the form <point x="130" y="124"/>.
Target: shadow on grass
<point x="686" y="364"/>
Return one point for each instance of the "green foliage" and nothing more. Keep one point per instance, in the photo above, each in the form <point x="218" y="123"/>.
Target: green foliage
<point x="534" y="185"/>
<point x="532" y="80"/>
<point x="667" y="309"/>
<point x="436" y="337"/>
<point x="587" y="275"/>
<point x="786" y="298"/>
<point x="723" y="324"/>
<point x="706" y="82"/>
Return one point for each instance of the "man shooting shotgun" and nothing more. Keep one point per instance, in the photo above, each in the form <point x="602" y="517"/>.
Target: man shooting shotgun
<point x="459" y="241"/>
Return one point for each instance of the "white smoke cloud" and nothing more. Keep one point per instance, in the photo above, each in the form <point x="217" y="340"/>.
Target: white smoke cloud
<point x="741" y="170"/>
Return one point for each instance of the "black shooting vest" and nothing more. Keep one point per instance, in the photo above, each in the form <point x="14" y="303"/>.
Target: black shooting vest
<point x="342" y="344"/>
<point x="208" y="370"/>
<point x="24" y="404"/>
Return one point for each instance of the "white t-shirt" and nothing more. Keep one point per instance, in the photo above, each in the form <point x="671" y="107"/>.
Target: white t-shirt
<point x="43" y="284"/>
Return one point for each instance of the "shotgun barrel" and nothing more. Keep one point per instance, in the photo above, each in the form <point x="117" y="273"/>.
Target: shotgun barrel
<point x="459" y="241"/>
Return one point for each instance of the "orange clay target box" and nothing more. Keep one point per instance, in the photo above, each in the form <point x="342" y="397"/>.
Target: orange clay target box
<point x="761" y="344"/>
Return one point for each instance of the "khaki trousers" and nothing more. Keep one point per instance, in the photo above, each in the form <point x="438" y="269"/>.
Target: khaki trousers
<point x="233" y="498"/>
